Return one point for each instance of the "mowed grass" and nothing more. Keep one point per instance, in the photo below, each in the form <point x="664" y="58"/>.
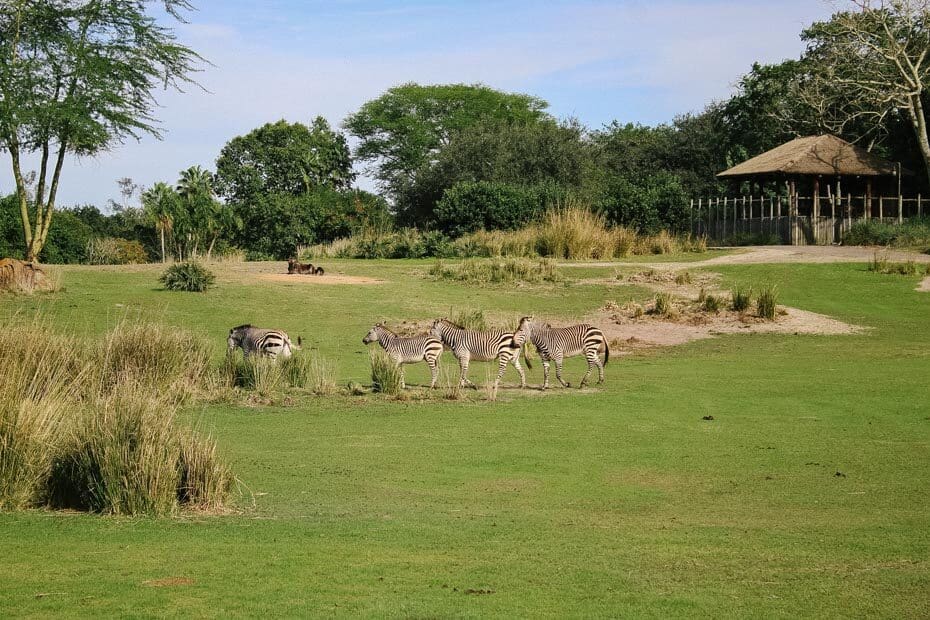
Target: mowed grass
<point x="806" y="495"/>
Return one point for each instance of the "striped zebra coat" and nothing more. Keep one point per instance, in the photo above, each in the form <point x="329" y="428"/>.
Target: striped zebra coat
<point x="468" y="345"/>
<point x="264" y="342"/>
<point x="408" y="350"/>
<point x="557" y="343"/>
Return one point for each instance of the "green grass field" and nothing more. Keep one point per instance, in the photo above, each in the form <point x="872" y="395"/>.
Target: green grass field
<point x="806" y="495"/>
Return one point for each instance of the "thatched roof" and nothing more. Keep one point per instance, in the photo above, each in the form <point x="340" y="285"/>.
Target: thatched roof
<point x="816" y="155"/>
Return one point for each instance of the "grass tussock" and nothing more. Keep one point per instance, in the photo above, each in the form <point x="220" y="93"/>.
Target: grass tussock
<point x="881" y="263"/>
<point x="188" y="276"/>
<point x="385" y="373"/>
<point x="712" y="304"/>
<point x="498" y="271"/>
<point x="662" y="305"/>
<point x="92" y="425"/>
<point x="269" y="377"/>
<point x="912" y="233"/>
<point x="740" y="299"/>
<point x="767" y="303"/>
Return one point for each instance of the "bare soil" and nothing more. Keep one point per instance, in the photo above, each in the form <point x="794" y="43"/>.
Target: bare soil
<point x="924" y="286"/>
<point x="324" y="279"/>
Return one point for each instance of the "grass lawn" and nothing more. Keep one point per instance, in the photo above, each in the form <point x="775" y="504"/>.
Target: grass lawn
<point x="806" y="495"/>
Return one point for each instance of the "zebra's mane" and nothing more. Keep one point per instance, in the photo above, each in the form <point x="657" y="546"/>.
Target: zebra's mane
<point x="382" y="327"/>
<point x="246" y="326"/>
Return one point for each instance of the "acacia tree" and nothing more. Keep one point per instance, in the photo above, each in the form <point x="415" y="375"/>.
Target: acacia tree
<point x="77" y="77"/>
<point x="871" y="64"/>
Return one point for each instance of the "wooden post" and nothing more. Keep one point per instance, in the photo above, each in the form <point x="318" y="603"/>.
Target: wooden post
<point x="771" y="208"/>
<point x="920" y="208"/>
<point x="734" y="216"/>
<point x="881" y="208"/>
<point x="900" y="208"/>
<point x="815" y="210"/>
<point x="849" y="209"/>
<point x="868" y="199"/>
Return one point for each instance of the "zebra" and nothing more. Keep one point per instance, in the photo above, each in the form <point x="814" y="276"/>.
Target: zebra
<point x="561" y="342"/>
<point x="469" y="345"/>
<point x="408" y="350"/>
<point x="266" y="342"/>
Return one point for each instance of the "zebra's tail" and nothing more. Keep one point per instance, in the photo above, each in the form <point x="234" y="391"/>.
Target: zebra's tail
<point x="300" y="342"/>
<point x="606" y="351"/>
<point x="525" y="358"/>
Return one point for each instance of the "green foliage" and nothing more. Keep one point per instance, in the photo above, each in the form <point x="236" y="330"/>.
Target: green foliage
<point x="712" y="303"/>
<point x="386" y="376"/>
<point x="471" y="318"/>
<point x="187" y="276"/>
<point x="470" y="206"/>
<point x="498" y="271"/>
<point x="283" y="158"/>
<point x="113" y="251"/>
<point x="882" y="264"/>
<point x="912" y="233"/>
<point x="650" y="203"/>
<point x="662" y="304"/>
<point x="767" y="303"/>
<point x="740" y="299"/>
<point x="400" y="130"/>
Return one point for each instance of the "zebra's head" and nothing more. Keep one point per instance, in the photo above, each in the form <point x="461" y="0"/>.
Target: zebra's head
<point x="436" y="329"/>
<point x="525" y="329"/>
<point x="236" y="334"/>
<point x="374" y="334"/>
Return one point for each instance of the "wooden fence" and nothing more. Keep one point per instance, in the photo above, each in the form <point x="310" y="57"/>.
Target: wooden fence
<point x="796" y="220"/>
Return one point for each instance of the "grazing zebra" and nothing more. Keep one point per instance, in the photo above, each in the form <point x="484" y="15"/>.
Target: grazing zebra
<point x="267" y="342"/>
<point x="469" y="345"/>
<point x="561" y="342"/>
<point x="408" y="350"/>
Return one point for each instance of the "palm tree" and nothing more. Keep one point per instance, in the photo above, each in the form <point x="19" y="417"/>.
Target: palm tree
<point x="195" y="187"/>
<point x="160" y="203"/>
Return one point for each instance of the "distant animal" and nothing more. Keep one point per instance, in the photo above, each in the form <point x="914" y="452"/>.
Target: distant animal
<point x="408" y="350"/>
<point x="557" y="343"/>
<point x="293" y="266"/>
<point x="263" y="342"/>
<point x="467" y="345"/>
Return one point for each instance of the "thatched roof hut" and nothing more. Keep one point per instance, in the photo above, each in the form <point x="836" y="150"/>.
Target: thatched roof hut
<point x="824" y="155"/>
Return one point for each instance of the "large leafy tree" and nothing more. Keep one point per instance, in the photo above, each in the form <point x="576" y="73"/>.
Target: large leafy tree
<point x="405" y="128"/>
<point x="78" y="76"/>
<point x="160" y="203"/>
<point x="283" y="158"/>
<point x="870" y="65"/>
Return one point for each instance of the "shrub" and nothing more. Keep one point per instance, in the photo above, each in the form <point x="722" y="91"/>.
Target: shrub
<point x="498" y="271"/>
<point x="470" y="319"/>
<point x="469" y="206"/>
<point x="663" y="304"/>
<point x="385" y="373"/>
<point x="882" y="264"/>
<point x="683" y="278"/>
<point x="310" y="372"/>
<point x="766" y="303"/>
<point x="740" y="298"/>
<point x="712" y="303"/>
<point x="115" y="251"/>
<point x="187" y="276"/>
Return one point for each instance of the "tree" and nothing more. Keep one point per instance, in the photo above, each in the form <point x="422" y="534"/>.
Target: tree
<point x="404" y="129"/>
<point x="200" y="216"/>
<point x="871" y="64"/>
<point x="160" y="203"/>
<point x="77" y="76"/>
<point x="283" y="158"/>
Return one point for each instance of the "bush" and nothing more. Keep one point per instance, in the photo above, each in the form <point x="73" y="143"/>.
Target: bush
<point x="766" y="303"/>
<point x="187" y="276"/>
<point x="912" y="233"/>
<point x="470" y="319"/>
<point x="712" y="303"/>
<point x="385" y="373"/>
<point x="498" y="271"/>
<point x="470" y="206"/>
<point x="740" y="298"/>
<point x="648" y="203"/>
<point x="115" y="251"/>
<point x="309" y="372"/>
<point x="663" y="304"/>
<point x="882" y="264"/>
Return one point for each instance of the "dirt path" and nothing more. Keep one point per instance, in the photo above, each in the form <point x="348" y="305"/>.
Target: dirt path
<point x="924" y="287"/>
<point x="778" y="254"/>
<point x="324" y="279"/>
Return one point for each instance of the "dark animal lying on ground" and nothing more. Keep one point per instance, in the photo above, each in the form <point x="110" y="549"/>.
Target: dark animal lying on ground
<point x="295" y="267"/>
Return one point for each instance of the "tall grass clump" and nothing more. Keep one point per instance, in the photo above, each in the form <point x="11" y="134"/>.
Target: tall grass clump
<point x="912" y="233"/>
<point x="740" y="299"/>
<point x="576" y="233"/>
<point x="883" y="264"/>
<point x="386" y="376"/>
<point x="204" y="479"/>
<point x="309" y="372"/>
<point x="470" y="319"/>
<point x="663" y="304"/>
<point x="712" y="303"/>
<point x="187" y="276"/>
<point x="497" y="271"/>
<point x="766" y="303"/>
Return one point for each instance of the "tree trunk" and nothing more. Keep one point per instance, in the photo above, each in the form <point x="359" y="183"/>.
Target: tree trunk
<point x="164" y="258"/>
<point x="210" y="249"/>
<point x="919" y="121"/>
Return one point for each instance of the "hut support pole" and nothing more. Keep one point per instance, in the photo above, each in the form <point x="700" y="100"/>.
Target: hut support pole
<point x="881" y="208"/>
<point x="868" y="199"/>
<point x="816" y="210"/>
<point x="900" y="208"/>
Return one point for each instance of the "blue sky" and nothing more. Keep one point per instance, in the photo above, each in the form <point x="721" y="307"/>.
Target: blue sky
<point x="629" y="60"/>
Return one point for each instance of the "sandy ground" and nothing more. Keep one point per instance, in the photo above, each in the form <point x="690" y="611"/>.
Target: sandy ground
<point x="924" y="287"/>
<point x="780" y="254"/>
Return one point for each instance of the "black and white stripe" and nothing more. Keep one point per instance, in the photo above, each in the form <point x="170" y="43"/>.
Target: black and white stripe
<point x="555" y="344"/>
<point x="469" y="345"/>
<point x="265" y="342"/>
<point x="408" y="350"/>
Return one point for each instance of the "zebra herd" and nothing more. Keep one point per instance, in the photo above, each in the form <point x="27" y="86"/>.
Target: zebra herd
<point x="552" y="344"/>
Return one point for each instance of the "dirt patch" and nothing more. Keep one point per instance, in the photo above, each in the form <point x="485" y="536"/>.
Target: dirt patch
<point x="924" y="286"/>
<point x="629" y="328"/>
<point x="167" y="582"/>
<point x="21" y="277"/>
<point x="324" y="279"/>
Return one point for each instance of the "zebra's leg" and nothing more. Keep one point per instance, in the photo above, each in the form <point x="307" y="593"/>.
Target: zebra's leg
<point x="600" y="368"/>
<point x="590" y="358"/>
<point x="501" y="367"/>
<point x="516" y="364"/>
<point x="545" y="374"/>
<point x="463" y="371"/>
<point x="558" y="371"/>
<point x="403" y="384"/>
<point x="433" y="370"/>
